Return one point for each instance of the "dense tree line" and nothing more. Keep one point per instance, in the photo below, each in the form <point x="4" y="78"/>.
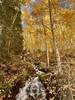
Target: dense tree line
<point x="11" y="33"/>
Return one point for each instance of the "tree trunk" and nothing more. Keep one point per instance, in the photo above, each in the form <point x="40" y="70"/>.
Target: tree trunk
<point x="55" y="48"/>
<point x="47" y="49"/>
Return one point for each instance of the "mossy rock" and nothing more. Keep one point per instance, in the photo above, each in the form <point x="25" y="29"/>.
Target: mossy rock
<point x="44" y="78"/>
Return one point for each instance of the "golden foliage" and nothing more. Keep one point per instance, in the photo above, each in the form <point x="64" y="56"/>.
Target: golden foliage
<point x="34" y="31"/>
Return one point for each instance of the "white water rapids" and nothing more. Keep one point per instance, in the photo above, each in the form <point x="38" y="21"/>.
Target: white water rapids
<point x="33" y="89"/>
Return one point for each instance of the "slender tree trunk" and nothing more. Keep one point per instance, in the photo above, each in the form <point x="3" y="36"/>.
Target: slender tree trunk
<point x="51" y="24"/>
<point x="47" y="50"/>
<point x="55" y="49"/>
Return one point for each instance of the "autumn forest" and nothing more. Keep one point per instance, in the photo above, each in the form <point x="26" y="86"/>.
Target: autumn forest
<point x="37" y="49"/>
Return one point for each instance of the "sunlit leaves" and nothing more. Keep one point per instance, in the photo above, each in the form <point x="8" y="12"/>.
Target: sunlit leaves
<point x="39" y="13"/>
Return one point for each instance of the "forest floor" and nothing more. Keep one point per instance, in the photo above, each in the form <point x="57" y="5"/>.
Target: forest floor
<point x="14" y="74"/>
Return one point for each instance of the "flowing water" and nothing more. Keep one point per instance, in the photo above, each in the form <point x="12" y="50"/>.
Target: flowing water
<point x="33" y="90"/>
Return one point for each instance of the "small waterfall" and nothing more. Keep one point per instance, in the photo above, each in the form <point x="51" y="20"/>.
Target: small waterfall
<point x="33" y="90"/>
